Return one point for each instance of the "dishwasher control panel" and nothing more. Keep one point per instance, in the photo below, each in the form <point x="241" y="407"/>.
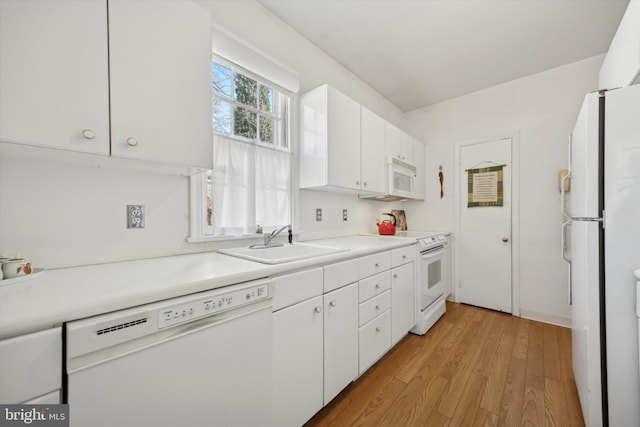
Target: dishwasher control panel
<point x="213" y="304"/>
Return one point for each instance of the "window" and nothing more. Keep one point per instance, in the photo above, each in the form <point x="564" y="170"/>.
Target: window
<point x="250" y="184"/>
<point x="248" y="109"/>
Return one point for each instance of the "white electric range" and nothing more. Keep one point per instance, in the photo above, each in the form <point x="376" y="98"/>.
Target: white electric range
<point x="433" y="270"/>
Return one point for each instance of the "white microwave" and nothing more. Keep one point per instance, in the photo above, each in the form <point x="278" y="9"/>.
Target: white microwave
<point x="401" y="179"/>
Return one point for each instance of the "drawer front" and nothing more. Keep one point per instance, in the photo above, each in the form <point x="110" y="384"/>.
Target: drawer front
<point x="403" y="255"/>
<point x="373" y="264"/>
<point x="375" y="340"/>
<point x="374" y="285"/>
<point x="340" y="274"/>
<point x="296" y="287"/>
<point x="374" y="307"/>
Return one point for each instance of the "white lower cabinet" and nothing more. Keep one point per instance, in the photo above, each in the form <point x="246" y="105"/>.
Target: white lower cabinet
<point x="316" y="340"/>
<point x="31" y="368"/>
<point x="403" y="292"/>
<point x="375" y="340"/>
<point x="298" y="364"/>
<point x="332" y="323"/>
<point x="403" y="316"/>
<point x="340" y="340"/>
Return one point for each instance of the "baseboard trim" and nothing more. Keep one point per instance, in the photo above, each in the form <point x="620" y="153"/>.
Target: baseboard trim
<point x="546" y="318"/>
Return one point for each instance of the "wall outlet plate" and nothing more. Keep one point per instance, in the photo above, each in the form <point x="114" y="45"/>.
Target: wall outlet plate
<point x="135" y="216"/>
<point x="344" y="215"/>
<point x="319" y="214"/>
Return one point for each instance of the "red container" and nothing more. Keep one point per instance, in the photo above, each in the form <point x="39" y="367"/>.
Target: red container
<point x="386" y="227"/>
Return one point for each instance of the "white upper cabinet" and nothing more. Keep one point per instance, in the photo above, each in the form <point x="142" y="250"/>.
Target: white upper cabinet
<point x="372" y="177"/>
<point x="345" y="147"/>
<point x="54" y="74"/>
<point x="160" y="71"/>
<point x="419" y="162"/>
<point x="330" y="146"/>
<point x="398" y="144"/>
<point x="68" y="72"/>
<point x="621" y="66"/>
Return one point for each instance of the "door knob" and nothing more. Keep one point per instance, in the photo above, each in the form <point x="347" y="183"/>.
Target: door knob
<point x="132" y="141"/>
<point x="505" y="239"/>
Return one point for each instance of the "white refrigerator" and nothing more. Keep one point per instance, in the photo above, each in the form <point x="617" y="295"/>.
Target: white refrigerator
<point x="601" y="243"/>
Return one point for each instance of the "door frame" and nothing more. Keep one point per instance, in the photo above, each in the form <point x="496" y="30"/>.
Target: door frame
<point x="515" y="215"/>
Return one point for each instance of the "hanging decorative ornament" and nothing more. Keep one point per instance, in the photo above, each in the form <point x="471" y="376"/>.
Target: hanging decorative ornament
<point x="441" y="178"/>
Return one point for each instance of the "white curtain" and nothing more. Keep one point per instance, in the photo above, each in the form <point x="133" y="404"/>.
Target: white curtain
<point x="251" y="186"/>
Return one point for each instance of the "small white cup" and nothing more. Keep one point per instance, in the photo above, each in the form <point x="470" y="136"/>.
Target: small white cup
<point x="2" y="261"/>
<point x="15" y="267"/>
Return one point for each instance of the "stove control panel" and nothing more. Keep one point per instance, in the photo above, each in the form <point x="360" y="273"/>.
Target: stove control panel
<point x="428" y="242"/>
<point x="213" y="304"/>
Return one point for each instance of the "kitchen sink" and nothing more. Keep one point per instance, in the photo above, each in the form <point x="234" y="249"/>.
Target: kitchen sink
<point x="280" y="254"/>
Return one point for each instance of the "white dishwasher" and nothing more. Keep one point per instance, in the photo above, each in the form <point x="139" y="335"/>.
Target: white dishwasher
<point x="199" y="360"/>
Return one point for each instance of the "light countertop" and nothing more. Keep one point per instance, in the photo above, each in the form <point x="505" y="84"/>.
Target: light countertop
<point x="53" y="297"/>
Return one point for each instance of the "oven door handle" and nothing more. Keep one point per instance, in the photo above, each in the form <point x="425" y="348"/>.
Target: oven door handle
<point x="432" y="252"/>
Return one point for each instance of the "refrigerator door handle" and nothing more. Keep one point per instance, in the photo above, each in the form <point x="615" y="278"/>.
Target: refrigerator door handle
<point x="563" y="207"/>
<point x="563" y="253"/>
<point x="565" y="258"/>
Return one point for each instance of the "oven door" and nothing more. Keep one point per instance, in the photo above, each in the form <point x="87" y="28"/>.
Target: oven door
<point x="432" y="284"/>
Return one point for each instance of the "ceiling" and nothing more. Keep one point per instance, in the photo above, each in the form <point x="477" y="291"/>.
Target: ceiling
<point x="420" y="52"/>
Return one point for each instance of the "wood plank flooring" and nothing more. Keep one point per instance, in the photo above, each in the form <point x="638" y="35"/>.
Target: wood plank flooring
<point x="475" y="367"/>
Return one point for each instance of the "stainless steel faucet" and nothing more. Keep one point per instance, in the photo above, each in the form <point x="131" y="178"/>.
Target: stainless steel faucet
<point x="269" y="237"/>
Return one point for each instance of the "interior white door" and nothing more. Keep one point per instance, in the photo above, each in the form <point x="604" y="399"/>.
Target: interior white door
<point x="485" y="232"/>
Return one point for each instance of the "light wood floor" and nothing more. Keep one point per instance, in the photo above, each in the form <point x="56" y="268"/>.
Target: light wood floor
<point x="475" y="367"/>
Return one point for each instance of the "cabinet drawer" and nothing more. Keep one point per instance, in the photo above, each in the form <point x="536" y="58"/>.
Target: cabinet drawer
<point x="403" y="255"/>
<point x="296" y="287"/>
<point x="373" y="264"/>
<point x="375" y="340"/>
<point x="340" y="274"/>
<point x="374" y="307"/>
<point x="374" y="285"/>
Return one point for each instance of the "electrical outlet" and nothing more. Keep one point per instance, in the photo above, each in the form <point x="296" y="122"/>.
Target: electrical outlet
<point x="344" y="215"/>
<point x="319" y="214"/>
<point x="135" y="216"/>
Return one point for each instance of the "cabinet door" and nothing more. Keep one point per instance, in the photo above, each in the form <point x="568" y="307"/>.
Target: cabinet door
<point x="403" y="307"/>
<point x="374" y="340"/>
<point x="53" y="74"/>
<point x="372" y="171"/>
<point x="344" y="140"/>
<point x="419" y="162"/>
<point x="31" y="367"/>
<point x="160" y="71"/>
<point x="298" y="364"/>
<point x="406" y="148"/>
<point x="340" y="339"/>
<point x="621" y="66"/>
<point x="392" y="141"/>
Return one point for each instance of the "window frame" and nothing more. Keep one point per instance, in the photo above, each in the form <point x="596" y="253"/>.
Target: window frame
<point x="284" y="116"/>
<point x="200" y="231"/>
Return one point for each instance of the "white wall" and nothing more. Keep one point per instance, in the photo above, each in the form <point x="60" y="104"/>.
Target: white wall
<point x="64" y="209"/>
<point x="541" y="109"/>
